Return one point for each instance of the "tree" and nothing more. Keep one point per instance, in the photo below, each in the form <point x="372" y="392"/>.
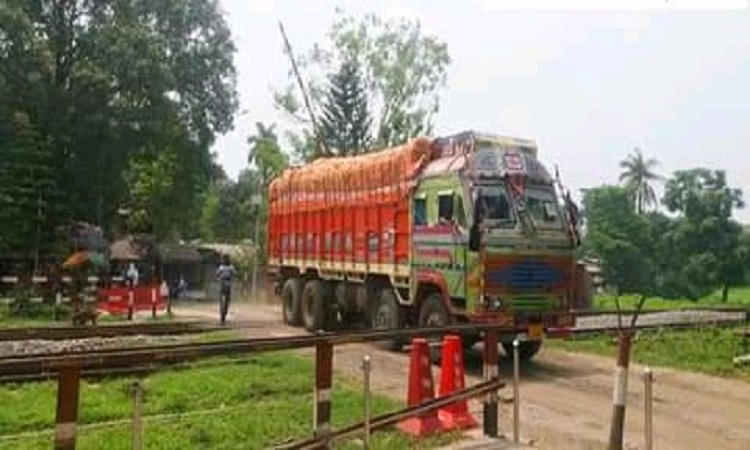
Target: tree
<point x="619" y="238"/>
<point x="402" y="70"/>
<point x="346" y="122"/>
<point x="265" y="152"/>
<point x="111" y="84"/>
<point x="706" y="237"/>
<point x="28" y="189"/>
<point x="638" y="174"/>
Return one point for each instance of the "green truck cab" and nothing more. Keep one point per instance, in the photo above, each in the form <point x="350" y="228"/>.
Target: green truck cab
<point x="493" y="241"/>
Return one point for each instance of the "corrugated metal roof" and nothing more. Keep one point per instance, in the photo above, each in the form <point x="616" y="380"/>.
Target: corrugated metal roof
<point x="178" y="253"/>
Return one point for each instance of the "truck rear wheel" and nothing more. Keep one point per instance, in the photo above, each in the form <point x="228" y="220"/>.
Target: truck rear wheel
<point x="291" y="295"/>
<point x="314" y="312"/>
<point x="526" y="349"/>
<point x="387" y="315"/>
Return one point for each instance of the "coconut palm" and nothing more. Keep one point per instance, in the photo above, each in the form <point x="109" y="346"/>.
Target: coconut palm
<point x="638" y="174"/>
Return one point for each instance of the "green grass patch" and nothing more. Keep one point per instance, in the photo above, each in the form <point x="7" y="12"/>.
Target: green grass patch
<point x="706" y="350"/>
<point x="225" y="404"/>
<point x="738" y="297"/>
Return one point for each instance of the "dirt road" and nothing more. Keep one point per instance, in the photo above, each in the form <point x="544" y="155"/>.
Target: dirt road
<point x="565" y="397"/>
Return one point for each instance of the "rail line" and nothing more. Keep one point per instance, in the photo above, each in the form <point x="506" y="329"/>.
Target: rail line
<point x="59" y="333"/>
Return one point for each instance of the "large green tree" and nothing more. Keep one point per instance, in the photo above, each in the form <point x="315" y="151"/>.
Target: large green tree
<point x="620" y="238"/>
<point x="346" y="123"/>
<point x="705" y="235"/>
<point x="402" y="68"/>
<point x="110" y="86"/>
<point x="638" y="175"/>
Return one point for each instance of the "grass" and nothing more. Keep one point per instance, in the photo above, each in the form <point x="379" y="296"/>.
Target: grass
<point x="43" y="315"/>
<point x="224" y="404"/>
<point x="707" y="350"/>
<point x="738" y="297"/>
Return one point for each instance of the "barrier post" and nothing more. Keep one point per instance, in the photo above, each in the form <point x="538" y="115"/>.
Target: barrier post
<point x="131" y="301"/>
<point x="648" y="378"/>
<point x="323" y="380"/>
<point x="68" y="385"/>
<point x="153" y="302"/>
<point x="490" y="409"/>
<point x="137" y="427"/>
<point x="516" y="381"/>
<point x="366" y="368"/>
<point x="58" y="303"/>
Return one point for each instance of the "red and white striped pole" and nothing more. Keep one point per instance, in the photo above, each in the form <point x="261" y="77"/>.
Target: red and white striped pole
<point x="616" y="432"/>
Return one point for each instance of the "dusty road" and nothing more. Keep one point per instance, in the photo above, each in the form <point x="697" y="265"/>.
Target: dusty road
<point x="565" y="397"/>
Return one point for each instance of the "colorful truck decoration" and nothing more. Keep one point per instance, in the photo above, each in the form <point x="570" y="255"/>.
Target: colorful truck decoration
<point x="460" y="229"/>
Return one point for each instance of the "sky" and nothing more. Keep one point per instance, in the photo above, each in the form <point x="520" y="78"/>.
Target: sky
<point x="587" y="83"/>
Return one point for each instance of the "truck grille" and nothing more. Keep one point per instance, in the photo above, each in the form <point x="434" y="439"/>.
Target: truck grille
<point x="528" y="275"/>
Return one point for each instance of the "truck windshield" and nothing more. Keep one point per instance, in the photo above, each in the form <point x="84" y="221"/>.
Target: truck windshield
<point x="494" y="206"/>
<point x="542" y="207"/>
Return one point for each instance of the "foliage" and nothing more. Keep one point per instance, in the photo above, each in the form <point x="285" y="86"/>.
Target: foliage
<point x="619" y="237"/>
<point x="265" y="153"/>
<point x="402" y="70"/>
<point x="346" y="122"/>
<point x="704" y="235"/>
<point x="28" y="188"/>
<point x="637" y="174"/>
<point x="109" y="86"/>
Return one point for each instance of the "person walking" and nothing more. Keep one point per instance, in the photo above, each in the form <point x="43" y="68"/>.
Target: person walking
<point x="224" y="274"/>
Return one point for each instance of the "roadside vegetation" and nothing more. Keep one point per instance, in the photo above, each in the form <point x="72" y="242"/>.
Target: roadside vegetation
<point x="739" y="298"/>
<point x="249" y="403"/>
<point x="708" y="350"/>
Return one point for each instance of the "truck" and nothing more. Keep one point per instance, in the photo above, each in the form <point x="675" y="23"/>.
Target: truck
<point x="467" y="228"/>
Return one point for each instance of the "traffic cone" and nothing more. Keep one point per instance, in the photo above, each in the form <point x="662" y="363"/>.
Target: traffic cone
<point x="452" y="379"/>
<point x="421" y="390"/>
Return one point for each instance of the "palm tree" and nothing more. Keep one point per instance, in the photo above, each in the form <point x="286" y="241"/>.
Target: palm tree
<point x="637" y="174"/>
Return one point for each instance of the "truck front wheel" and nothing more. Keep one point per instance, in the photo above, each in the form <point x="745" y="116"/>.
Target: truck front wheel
<point x="314" y="312"/>
<point x="291" y="296"/>
<point x="433" y="313"/>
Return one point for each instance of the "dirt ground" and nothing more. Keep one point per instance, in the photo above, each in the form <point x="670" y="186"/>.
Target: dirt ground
<point x="566" y="398"/>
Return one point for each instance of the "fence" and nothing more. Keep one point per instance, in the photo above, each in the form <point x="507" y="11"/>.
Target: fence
<point x="110" y="297"/>
<point x="69" y="369"/>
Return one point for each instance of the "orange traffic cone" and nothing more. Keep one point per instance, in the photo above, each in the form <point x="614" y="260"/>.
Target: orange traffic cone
<point x="421" y="390"/>
<point x="456" y="415"/>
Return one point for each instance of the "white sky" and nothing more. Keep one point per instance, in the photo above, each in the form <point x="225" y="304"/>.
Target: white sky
<point x="669" y="76"/>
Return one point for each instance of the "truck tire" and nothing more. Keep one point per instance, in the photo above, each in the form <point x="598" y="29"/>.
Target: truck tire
<point x="526" y="349"/>
<point x="387" y="315"/>
<point x="291" y="296"/>
<point x="314" y="313"/>
<point x="433" y="313"/>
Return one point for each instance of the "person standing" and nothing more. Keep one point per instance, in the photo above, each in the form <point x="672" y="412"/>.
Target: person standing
<point x="224" y="274"/>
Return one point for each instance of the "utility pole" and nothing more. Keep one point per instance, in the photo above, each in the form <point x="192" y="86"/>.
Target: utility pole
<point x="258" y="200"/>
<point x="316" y="130"/>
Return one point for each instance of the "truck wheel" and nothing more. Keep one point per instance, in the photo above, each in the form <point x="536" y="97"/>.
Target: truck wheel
<point x="433" y="313"/>
<point x="526" y="349"/>
<point x="291" y="295"/>
<point x="387" y="315"/>
<point x="314" y="312"/>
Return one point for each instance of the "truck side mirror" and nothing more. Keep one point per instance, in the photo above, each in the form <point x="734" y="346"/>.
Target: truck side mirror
<point x="474" y="237"/>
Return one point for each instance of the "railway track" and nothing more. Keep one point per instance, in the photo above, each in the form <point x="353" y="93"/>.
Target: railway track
<point x="59" y="333"/>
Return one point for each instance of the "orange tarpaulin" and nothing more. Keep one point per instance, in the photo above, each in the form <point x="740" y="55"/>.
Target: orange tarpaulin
<point x="392" y="167"/>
